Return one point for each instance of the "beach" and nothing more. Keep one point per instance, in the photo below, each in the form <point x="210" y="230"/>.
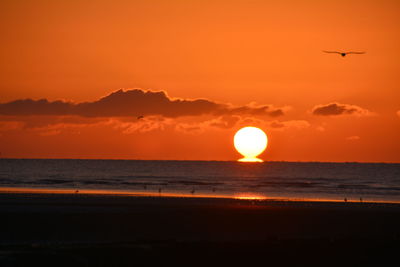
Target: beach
<point x="117" y="230"/>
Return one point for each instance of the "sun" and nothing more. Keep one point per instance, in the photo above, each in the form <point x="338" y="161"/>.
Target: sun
<point x="250" y="142"/>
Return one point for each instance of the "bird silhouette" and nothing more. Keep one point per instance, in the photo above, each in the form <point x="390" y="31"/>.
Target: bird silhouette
<point x="343" y="54"/>
<point x="140" y="117"/>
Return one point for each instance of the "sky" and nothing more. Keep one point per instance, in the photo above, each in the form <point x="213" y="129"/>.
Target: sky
<point x="75" y="75"/>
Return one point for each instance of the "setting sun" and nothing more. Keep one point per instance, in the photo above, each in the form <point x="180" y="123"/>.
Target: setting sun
<point x="250" y="142"/>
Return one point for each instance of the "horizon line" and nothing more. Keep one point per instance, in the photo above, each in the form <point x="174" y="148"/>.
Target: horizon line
<point x="264" y="161"/>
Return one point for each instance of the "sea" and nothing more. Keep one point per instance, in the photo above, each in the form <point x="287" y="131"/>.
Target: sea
<point x="266" y="180"/>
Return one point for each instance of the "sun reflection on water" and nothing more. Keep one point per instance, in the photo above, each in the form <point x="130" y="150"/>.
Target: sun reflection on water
<point x="249" y="197"/>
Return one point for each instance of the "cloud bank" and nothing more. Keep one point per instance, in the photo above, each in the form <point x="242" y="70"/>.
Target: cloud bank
<point x="337" y="109"/>
<point x="133" y="103"/>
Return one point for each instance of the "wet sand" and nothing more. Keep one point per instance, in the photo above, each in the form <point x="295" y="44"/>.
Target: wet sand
<point x="118" y="230"/>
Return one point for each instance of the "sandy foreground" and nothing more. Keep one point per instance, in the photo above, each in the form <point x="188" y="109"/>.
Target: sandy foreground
<point x="60" y="229"/>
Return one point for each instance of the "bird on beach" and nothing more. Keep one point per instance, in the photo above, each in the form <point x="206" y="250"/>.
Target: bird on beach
<point x="343" y="54"/>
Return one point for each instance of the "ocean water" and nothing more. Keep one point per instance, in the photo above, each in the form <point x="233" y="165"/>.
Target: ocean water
<point x="292" y="180"/>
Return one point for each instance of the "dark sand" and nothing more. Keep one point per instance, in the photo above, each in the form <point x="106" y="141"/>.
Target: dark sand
<point x="106" y="230"/>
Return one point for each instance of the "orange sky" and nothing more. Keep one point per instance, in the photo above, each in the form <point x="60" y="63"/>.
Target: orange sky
<point x="247" y="59"/>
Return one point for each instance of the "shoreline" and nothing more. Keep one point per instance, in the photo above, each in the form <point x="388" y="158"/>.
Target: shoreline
<point x="132" y="193"/>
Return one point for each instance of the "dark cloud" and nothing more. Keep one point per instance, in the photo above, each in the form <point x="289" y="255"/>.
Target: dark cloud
<point x="335" y="109"/>
<point x="36" y="107"/>
<point x="225" y="122"/>
<point x="41" y="121"/>
<point x="261" y="110"/>
<point x="293" y="124"/>
<point x="277" y="124"/>
<point x="132" y="103"/>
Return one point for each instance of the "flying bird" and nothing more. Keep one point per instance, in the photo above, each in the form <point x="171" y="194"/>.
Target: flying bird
<point x="343" y="54"/>
<point x="140" y="117"/>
